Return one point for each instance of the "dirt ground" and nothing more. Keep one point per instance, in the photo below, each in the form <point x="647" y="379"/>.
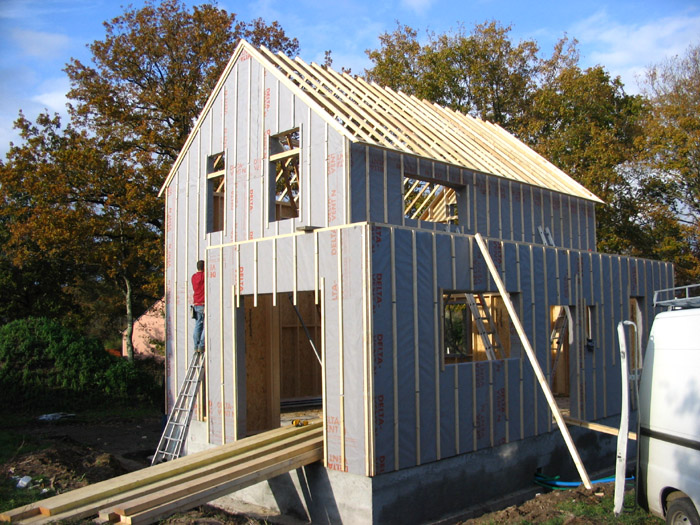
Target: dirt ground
<point x="77" y="453"/>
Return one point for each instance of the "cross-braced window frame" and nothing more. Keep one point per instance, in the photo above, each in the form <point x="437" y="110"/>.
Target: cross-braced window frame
<point x="216" y="191"/>
<point x="285" y="173"/>
<point x="429" y="201"/>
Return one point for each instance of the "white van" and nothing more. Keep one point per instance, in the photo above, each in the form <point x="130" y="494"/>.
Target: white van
<point x="668" y="452"/>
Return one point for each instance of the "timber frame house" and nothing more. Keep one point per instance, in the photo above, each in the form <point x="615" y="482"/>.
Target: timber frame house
<point x="356" y="207"/>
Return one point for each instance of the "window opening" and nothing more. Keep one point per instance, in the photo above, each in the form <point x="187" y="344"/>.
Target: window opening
<point x="216" y="189"/>
<point x="560" y="338"/>
<point x="285" y="175"/>
<point x="590" y="328"/>
<point x="476" y="327"/>
<point x="429" y="201"/>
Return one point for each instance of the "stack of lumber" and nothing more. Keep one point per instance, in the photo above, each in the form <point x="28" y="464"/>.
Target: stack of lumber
<point x="147" y="495"/>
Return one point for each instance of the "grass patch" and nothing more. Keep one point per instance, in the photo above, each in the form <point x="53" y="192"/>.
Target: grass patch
<point x="602" y="511"/>
<point x="12" y="497"/>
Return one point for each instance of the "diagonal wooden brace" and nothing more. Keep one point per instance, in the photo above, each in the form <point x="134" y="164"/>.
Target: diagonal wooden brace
<point x="533" y="361"/>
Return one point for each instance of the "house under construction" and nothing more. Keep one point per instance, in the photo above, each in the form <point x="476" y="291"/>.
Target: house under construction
<point x="338" y="221"/>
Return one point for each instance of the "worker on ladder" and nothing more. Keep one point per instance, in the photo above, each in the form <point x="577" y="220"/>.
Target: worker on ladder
<point x="198" y="306"/>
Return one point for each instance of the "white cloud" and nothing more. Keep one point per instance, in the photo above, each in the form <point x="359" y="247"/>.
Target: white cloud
<point x="52" y="94"/>
<point x="41" y="44"/>
<point x="418" y="6"/>
<point x="628" y="49"/>
<point x="54" y="101"/>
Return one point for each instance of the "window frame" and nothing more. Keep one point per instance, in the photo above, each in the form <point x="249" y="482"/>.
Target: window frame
<point x="285" y="174"/>
<point x="216" y="192"/>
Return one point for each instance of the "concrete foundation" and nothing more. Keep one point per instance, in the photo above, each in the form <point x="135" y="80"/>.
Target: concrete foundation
<point x="442" y="491"/>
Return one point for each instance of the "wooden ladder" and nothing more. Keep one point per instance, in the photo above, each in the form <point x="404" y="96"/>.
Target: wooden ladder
<point x="485" y="325"/>
<point x="170" y="444"/>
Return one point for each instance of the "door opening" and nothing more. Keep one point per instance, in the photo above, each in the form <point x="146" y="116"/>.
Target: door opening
<point x="282" y="369"/>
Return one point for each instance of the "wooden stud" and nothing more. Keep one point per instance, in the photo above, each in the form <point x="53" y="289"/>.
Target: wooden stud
<point x="341" y="350"/>
<point x="316" y="273"/>
<point x="534" y="335"/>
<point x="234" y="336"/>
<point x="386" y="189"/>
<point x="274" y="271"/>
<point x="437" y="347"/>
<point x="221" y="345"/>
<point x="294" y="268"/>
<point x="324" y="391"/>
<point x="367" y="351"/>
<point x="456" y="403"/>
<point x="416" y="345"/>
<point x="255" y="273"/>
<point x="367" y="186"/>
<point x="474" y="413"/>
<point x="394" y="347"/>
<point x="204" y="385"/>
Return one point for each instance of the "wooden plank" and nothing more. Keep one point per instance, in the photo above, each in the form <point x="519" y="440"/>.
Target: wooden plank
<point x="20" y="513"/>
<point x="103" y="489"/>
<point x="105" y="506"/>
<point x="285" y="154"/>
<point x="534" y="363"/>
<point x="192" y="500"/>
<point x="216" y="479"/>
<point x="598" y="427"/>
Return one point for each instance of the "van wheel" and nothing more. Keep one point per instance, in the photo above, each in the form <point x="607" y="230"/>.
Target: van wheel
<point x="682" y="511"/>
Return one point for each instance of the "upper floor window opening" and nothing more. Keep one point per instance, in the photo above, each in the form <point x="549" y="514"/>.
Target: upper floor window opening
<point x="216" y="191"/>
<point x="429" y="201"/>
<point x="285" y="176"/>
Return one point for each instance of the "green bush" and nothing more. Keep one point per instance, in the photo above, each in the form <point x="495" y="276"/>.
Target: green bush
<point x="44" y="365"/>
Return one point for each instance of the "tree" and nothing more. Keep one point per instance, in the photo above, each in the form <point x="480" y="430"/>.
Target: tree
<point x="481" y="73"/>
<point x="88" y="192"/>
<point x="397" y="62"/>
<point x="585" y="123"/>
<point x="153" y="73"/>
<point x="64" y="200"/>
<point x="672" y="147"/>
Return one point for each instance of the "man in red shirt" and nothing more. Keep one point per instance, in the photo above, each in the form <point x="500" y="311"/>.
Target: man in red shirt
<point x="198" y="306"/>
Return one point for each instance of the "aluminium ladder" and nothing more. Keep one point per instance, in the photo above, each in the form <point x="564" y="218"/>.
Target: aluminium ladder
<point x="487" y="331"/>
<point x="170" y="444"/>
<point x="563" y="321"/>
<point x="559" y="332"/>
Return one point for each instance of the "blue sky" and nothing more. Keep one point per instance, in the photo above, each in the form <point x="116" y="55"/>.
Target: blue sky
<point x="38" y="37"/>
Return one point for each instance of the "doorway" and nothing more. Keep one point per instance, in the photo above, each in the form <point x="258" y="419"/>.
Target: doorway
<point x="282" y="367"/>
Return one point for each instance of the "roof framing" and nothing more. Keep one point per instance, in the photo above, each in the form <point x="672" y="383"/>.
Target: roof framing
<point x="368" y="113"/>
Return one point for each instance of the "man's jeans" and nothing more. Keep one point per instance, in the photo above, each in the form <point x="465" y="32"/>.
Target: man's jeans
<point x="199" y="327"/>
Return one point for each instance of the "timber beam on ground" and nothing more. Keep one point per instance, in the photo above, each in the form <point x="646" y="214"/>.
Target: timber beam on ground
<point x="146" y="495"/>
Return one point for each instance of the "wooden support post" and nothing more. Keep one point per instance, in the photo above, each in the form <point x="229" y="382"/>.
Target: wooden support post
<point x="533" y="361"/>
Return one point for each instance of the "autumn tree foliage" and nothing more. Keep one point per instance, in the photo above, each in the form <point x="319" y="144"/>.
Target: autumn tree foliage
<point x="637" y="153"/>
<point x="86" y="193"/>
<point x="671" y="146"/>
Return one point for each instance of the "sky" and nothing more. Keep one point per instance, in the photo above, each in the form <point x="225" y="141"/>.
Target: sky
<point x="39" y="37"/>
